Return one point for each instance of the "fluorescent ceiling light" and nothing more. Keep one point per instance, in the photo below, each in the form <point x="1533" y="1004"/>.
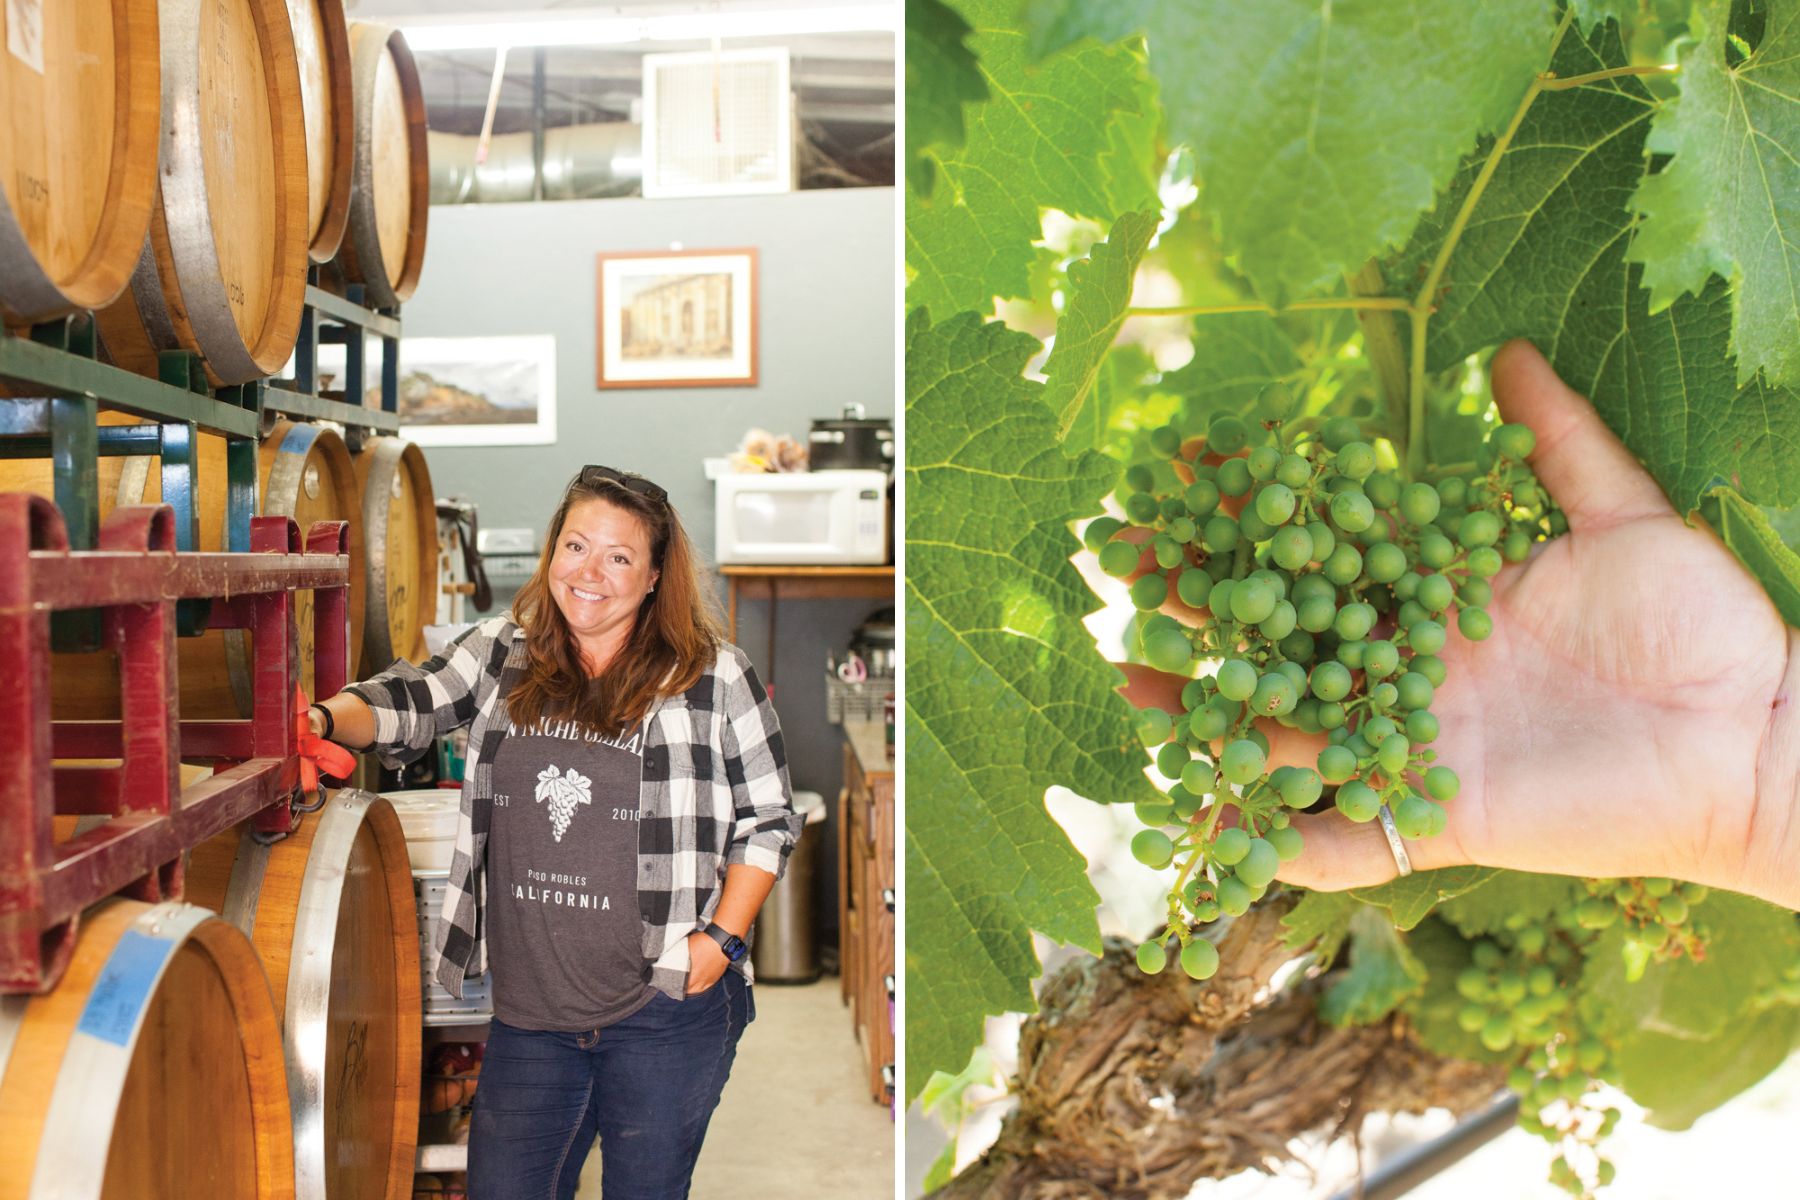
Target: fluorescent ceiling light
<point x="504" y="33"/>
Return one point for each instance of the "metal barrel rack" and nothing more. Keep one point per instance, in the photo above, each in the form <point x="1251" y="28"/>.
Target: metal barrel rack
<point x="133" y="583"/>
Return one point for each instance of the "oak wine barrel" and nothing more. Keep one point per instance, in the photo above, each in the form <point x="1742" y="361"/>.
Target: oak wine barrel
<point x="224" y="271"/>
<point x="331" y="911"/>
<point x="399" y="552"/>
<point x="152" y="1072"/>
<point x="322" y="52"/>
<point x="391" y="184"/>
<point x="78" y="130"/>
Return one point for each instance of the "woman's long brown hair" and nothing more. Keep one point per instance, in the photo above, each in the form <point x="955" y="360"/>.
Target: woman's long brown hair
<point x="674" y="640"/>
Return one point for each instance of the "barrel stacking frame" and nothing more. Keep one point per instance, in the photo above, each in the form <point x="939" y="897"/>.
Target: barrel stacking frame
<point x="334" y="320"/>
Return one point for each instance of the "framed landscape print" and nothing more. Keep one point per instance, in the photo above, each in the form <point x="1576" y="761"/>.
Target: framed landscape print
<point x="466" y="391"/>
<point x="681" y="318"/>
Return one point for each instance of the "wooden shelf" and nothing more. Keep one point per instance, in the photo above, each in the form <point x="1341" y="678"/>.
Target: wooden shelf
<point x="776" y="582"/>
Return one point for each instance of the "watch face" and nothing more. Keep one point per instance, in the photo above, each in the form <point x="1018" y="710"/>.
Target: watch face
<point x="734" y="948"/>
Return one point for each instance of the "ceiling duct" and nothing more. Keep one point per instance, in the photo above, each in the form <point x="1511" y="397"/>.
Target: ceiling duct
<point x="581" y="162"/>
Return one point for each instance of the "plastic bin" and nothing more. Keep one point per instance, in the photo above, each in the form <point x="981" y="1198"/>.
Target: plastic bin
<point x="784" y="949"/>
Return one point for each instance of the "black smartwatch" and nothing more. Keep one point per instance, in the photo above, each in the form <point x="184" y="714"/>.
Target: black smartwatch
<point x="729" y="942"/>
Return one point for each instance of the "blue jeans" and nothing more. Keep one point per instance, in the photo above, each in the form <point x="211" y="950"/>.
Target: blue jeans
<point x="646" y="1086"/>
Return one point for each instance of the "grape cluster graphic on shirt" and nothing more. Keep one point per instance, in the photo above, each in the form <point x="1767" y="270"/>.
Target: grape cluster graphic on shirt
<point x="563" y="792"/>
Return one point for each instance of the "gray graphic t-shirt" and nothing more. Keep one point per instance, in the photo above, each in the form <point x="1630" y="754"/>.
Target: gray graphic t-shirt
<point x="565" y="937"/>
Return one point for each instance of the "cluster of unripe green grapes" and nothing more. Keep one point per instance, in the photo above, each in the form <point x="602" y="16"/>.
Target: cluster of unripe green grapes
<point x="1654" y="912"/>
<point x="1318" y="588"/>
<point x="1784" y="990"/>
<point x="1517" y="998"/>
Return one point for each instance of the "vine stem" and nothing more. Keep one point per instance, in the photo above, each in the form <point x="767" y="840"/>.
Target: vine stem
<point x="1212" y="310"/>
<point x="1421" y="306"/>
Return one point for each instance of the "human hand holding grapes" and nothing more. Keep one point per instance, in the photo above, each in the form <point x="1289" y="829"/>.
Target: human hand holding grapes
<point x="1630" y="713"/>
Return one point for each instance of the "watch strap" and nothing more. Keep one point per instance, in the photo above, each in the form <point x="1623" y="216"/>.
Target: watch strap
<point x="729" y="942"/>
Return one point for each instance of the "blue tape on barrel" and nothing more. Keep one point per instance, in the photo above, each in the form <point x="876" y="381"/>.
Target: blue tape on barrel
<point x="117" y="1001"/>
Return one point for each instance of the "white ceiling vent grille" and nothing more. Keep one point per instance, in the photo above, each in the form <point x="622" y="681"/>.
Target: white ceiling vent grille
<point x="718" y="123"/>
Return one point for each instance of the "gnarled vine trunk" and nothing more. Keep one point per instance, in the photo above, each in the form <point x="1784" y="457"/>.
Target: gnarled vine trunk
<point x="1132" y="1087"/>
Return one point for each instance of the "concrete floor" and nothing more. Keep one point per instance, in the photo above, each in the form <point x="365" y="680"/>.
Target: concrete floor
<point x="796" y="1118"/>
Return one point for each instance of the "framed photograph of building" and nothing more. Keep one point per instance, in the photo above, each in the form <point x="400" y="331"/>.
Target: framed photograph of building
<point x="677" y="318"/>
<point x="466" y="391"/>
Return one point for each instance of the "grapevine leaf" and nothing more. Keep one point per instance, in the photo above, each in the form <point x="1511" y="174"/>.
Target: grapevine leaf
<point x="1728" y="203"/>
<point x="1760" y="548"/>
<point x="1680" y="1079"/>
<point x="1543" y="257"/>
<point x="1322" y="131"/>
<point x="1005" y="693"/>
<point x="1590" y="13"/>
<point x="1121" y="405"/>
<point x="941" y="75"/>
<point x="1099" y="293"/>
<point x="1410" y="898"/>
<point x="1075" y="133"/>
<point x="1320" y="920"/>
<point x="1485" y="908"/>
<point x="1382" y="973"/>
<point x="1236" y="355"/>
<point x="1444" y="954"/>
<point x="1748" y="944"/>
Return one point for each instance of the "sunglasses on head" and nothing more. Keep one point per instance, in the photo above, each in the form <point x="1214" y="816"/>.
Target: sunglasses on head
<point x="592" y="476"/>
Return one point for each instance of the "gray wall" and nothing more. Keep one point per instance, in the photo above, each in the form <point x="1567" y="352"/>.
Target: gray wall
<point x="826" y="305"/>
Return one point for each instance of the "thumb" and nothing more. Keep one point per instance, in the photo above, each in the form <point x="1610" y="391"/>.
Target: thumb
<point x="1595" y="479"/>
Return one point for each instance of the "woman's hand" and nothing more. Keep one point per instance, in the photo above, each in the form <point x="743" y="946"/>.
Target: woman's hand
<point x="706" y="963"/>
<point x="1617" y="721"/>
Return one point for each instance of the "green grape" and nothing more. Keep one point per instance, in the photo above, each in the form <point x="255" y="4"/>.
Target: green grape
<point x="1142" y="508"/>
<point x="1425" y="663"/>
<point x="1099" y="531"/>
<point x="1275" y="403"/>
<point x="1419" y="503"/>
<point x="1383" y="490"/>
<point x="1517" y="547"/>
<point x="1154" y="726"/>
<point x="1476" y="593"/>
<point x="1182" y="529"/>
<point x="1376" y="533"/>
<point x="1165" y="441"/>
<point x="1300" y="788"/>
<point x="1259" y="864"/>
<point x="1171" y="508"/>
<point x="1153" y="848"/>
<point x="1351" y="654"/>
<point x="1415" y="691"/>
<point x="1339" y="432"/>
<point x="1262" y="463"/>
<point x="1358" y="745"/>
<point x="1294" y="471"/>
<point x="1287" y="841"/>
<point x="1197" y="777"/>
<point x="1497" y="1034"/>
<point x="1384" y="694"/>
<point x="1475" y="624"/>
<point x="1166" y="550"/>
<point x="1119" y="558"/>
<point x="1195" y="692"/>
<point x="1186" y="803"/>
<point x="1140" y="478"/>
<point x="1658" y="886"/>
<point x="1275" y="695"/>
<point x="1336" y="764"/>
<point x="1358" y="801"/>
<point x="1152" y="958"/>
<point x="1206" y="910"/>
<point x="1392" y="754"/>
<point x="1227" y="435"/>
<point x="1298" y="647"/>
<point x="1355" y="460"/>
<point x="1442" y="783"/>
<point x="1200" y="959"/>
<point x="1385" y="562"/>
<point x="1252" y="600"/>
<point x="1149" y="591"/>
<point x="1193" y="586"/>
<point x="1472" y="984"/>
<point x="1343" y="565"/>
<point x="1694" y="893"/>
<point x="1485" y="562"/>
<point x="1323" y="540"/>
<point x="1673" y="910"/>
<point x="1168" y="650"/>
<point x="1407" y="586"/>
<point x="1201" y="497"/>
<point x="1279" y="623"/>
<point x="1234" y="477"/>
<point x="1311" y="586"/>
<point x="1219" y="535"/>
<point x="1220" y="599"/>
<point x="1354" y="622"/>
<point x="1412" y="816"/>
<point x="1154" y="813"/>
<point x="1330" y="681"/>
<point x="1229" y="846"/>
<point x="1237" y="679"/>
<point x="1377" y="730"/>
<point x="1171" y="757"/>
<point x="1380" y="659"/>
<point x="1292" y="547"/>
<point x="1352" y="511"/>
<point x="1596" y="913"/>
<point x="1540" y="980"/>
<point x="1514" y="441"/>
<point x="1478" y="529"/>
<point x="1253" y="527"/>
<point x="1453" y="492"/>
<point x="1274" y="579"/>
<point x="1331" y="716"/>
<point x="1242" y="760"/>
<point x="1436" y="551"/>
<point x="1296" y="674"/>
<point x="1421" y="727"/>
<point x="1306" y="715"/>
<point x="1436" y="593"/>
<point x="1233" y="897"/>
<point x="1317" y="613"/>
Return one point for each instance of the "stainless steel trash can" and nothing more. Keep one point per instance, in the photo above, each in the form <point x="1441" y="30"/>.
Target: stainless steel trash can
<point x="784" y="949"/>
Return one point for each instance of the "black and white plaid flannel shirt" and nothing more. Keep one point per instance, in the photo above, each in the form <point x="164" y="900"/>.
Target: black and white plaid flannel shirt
<point x="715" y="789"/>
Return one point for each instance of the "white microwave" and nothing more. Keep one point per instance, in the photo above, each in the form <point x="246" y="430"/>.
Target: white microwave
<point x="806" y="518"/>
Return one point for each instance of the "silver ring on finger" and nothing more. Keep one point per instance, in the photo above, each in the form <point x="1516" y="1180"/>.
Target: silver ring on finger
<point x="1401" y="859"/>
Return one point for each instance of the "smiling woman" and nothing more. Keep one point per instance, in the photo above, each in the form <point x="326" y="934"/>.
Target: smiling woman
<point x="625" y="812"/>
